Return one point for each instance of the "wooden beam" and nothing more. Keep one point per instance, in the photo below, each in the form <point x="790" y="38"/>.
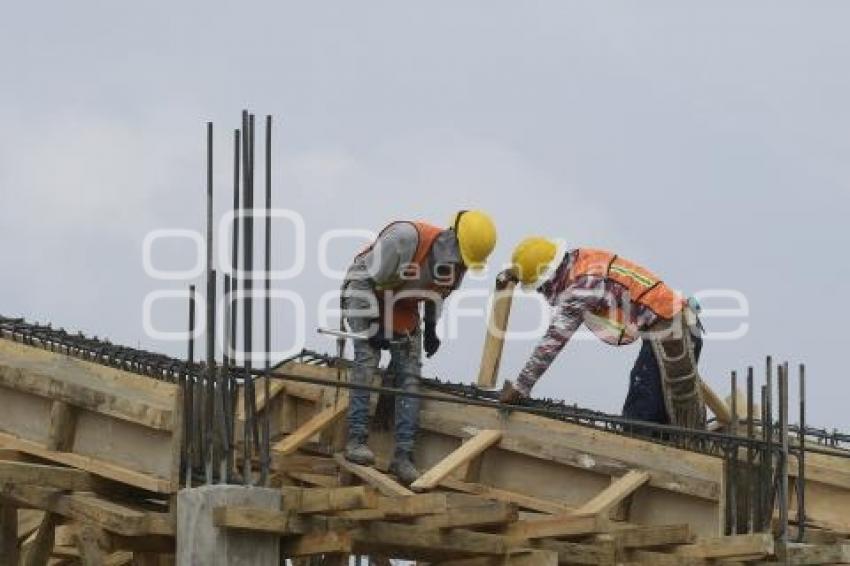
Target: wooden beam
<point x="258" y="520"/>
<point x="716" y="404"/>
<point x="649" y="536"/>
<point x="90" y="386"/>
<point x="8" y="534"/>
<point x="308" y="430"/>
<point x="90" y="508"/>
<point x="578" y="553"/>
<point x="525" y="557"/>
<point x="487" y="514"/>
<point x="494" y="340"/>
<point x="520" y="499"/>
<point x="323" y="500"/>
<point x="43" y="475"/>
<point x="60" y="435"/>
<point x="556" y="526"/>
<point x="96" y="466"/>
<point x="463" y="454"/>
<point x="729" y="547"/>
<point x="92" y="544"/>
<point x="383" y="483"/>
<point x="608" y="498"/>
<point x="41" y="547"/>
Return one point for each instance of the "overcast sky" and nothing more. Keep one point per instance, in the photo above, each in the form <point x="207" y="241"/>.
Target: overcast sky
<point x="708" y="141"/>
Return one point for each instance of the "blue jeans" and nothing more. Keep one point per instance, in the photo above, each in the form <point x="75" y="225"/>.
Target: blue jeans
<point x="407" y="358"/>
<point x="645" y="400"/>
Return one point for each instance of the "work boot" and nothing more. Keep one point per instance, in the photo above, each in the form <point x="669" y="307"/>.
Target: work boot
<point x="402" y="467"/>
<point x="357" y="452"/>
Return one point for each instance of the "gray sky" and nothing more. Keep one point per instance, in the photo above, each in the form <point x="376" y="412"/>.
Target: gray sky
<point x="708" y="141"/>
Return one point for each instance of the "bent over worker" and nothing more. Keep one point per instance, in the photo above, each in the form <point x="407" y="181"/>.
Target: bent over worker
<point x="409" y="264"/>
<point x="619" y="301"/>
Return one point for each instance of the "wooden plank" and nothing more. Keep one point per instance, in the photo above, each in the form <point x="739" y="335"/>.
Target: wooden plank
<point x="84" y="384"/>
<point x="93" y="465"/>
<point x="487" y="514"/>
<point x="467" y="451"/>
<point x="8" y="534"/>
<point x="46" y="476"/>
<point x="41" y="547"/>
<point x="323" y="500"/>
<point x="256" y="519"/>
<point x="420" y="542"/>
<point x="60" y="435"/>
<point x="716" y="404"/>
<point x="90" y="508"/>
<point x="793" y="553"/>
<point x="383" y="483"/>
<point x="578" y="553"/>
<point x="520" y="499"/>
<point x="729" y="547"/>
<point x="494" y="340"/>
<point x="556" y="526"/>
<point x="318" y="480"/>
<point x="647" y="537"/>
<point x="515" y="558"/>
<point x="615" y="493"/>
<point x="92" y="545"/>
<point x="317" y="543"/>
<point x="309" y="429"/>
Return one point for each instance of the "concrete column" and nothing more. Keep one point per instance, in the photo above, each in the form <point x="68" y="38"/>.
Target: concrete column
<point x="201" y="543"/>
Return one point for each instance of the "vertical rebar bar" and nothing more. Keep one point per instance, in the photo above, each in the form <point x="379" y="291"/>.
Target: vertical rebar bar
<point x="801" y="460"/>
<point x="783" y="437"/>
<point x="188" y="417"/>
<point x="223" y="435"/>
<point x="210" y="312"/>
<point x="751" y="472"/>
<point x="266" y="437"/>
<point x="733" y="461"/>
<point x="768" y="426"/>
<point x="209" y="372"/>
<point x="234" y="310"/>
<point x="247" y="259"/>
<point x="764" y="473"/>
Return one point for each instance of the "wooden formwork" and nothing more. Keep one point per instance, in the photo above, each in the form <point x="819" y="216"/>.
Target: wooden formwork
<point x="90" y="458"/>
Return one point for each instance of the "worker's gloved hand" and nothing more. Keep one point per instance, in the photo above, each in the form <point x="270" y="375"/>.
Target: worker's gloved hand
<point x="379" y="339"/>
<point x="505" y="277"/>
<point x="431" y="342"/>
<point x="510" y="395"/>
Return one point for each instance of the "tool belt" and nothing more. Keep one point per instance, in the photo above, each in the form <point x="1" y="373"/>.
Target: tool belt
<point x="673" y="347"/>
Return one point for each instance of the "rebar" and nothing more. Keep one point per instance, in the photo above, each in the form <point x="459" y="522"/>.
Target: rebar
<point x="188" y="395"/>
<point x="752" y="477"/>
<point x="801" y="459"/>
<point x="266" y="437"/>
<point x="732" y="485"/>
<point x="783" y="438"/>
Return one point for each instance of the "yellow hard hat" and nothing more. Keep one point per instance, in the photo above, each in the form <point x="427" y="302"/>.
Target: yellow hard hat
<point x="535" y="258"/>
<point x="476" y="236"/>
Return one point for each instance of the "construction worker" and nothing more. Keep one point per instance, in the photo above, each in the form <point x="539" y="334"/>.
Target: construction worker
<point x="619" y="301"/>
<point x="409" y="264"/>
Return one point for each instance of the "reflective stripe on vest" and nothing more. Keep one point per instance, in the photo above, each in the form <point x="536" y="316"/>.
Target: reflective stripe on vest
<point x="644" y="288"/>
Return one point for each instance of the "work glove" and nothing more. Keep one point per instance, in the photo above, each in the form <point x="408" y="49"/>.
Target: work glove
<point x="379" y="341"/>
<point x="510" y="395"/>
<point x="431" y="343"/>
<point x="504" y="278"/>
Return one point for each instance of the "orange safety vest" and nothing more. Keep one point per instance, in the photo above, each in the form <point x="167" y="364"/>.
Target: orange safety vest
<point x="405" y="310"/>
<point x="646" y="289"/>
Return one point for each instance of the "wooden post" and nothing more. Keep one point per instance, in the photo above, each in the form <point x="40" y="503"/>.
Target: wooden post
<point x="61" y="434"/>
<point x="494" y="340"/>
<point x="40" y="549"/>
<point x="8" y="534"/>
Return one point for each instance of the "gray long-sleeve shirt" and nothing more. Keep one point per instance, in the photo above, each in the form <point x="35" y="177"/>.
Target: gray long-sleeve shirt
<point x="383" y="267"/>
